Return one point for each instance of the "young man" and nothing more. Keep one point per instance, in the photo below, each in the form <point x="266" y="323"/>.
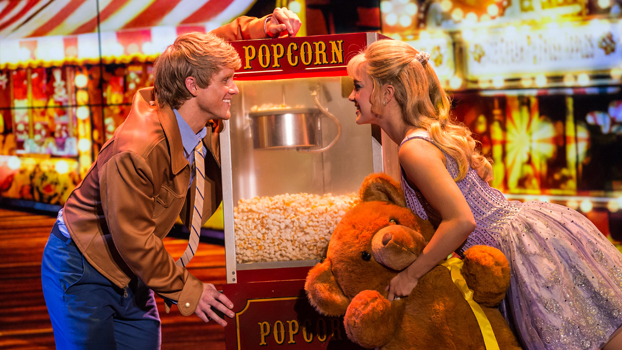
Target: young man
<point x="105" y="257"/>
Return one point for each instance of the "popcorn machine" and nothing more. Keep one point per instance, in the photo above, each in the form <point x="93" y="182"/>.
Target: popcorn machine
<point x="292" y="160"/>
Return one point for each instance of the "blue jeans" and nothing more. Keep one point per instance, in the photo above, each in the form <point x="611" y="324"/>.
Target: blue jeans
<point x="90" y="312"/>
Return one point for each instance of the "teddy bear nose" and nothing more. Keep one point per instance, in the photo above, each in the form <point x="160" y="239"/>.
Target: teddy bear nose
<point x="387" y="238"/>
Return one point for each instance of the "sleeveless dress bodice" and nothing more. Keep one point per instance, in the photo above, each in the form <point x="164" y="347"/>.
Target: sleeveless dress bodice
<point x="566" y="276"/>
<point x="489" y="206"/>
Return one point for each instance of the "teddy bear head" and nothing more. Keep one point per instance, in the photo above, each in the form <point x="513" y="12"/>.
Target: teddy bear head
<point x="373" y="242"/>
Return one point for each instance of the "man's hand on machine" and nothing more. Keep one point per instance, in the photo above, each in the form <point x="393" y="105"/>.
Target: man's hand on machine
<point x="282" y="21"/>
<point x="213" y="305"/>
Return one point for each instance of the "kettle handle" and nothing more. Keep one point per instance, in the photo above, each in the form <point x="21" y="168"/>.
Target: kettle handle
<point x="331" y="116"/>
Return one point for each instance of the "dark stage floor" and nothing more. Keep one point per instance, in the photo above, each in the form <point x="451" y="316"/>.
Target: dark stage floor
<point x="24" y="321"/>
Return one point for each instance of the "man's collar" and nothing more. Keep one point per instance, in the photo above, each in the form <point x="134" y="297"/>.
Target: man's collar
<point x="145" y="98"/>
<point x="188" y="138"/>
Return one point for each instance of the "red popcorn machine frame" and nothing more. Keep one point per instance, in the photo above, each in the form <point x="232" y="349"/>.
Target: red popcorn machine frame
<point x="292" y="160"/>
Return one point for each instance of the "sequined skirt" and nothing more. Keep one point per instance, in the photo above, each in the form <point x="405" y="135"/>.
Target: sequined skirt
<point x="566" y="286"/>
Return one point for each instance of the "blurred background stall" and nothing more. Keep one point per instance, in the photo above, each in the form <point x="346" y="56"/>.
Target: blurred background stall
<point x="538" y="82"/>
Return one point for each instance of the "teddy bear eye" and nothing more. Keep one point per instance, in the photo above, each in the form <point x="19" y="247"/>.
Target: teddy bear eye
<point x="366" y="256"/>
<point x="394" y="221"/>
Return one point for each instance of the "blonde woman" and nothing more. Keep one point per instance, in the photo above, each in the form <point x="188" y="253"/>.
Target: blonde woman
<point x="566" y="285"/>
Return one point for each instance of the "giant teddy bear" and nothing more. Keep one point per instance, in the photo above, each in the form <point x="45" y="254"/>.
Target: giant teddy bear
<point x="374" y="241"/>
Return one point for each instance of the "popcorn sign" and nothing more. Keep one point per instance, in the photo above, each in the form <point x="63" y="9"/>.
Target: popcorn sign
<point x="325" y="55"/>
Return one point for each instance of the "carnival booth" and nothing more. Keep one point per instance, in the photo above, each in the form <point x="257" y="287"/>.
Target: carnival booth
<point x="293" y="159"/>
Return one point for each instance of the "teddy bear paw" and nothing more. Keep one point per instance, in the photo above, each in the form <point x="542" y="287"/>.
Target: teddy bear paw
<point x="487" y="273"/>
<point x="370" y="321"/>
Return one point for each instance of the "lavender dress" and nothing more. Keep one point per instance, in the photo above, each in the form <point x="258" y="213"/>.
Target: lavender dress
<point x="566" y="281"/>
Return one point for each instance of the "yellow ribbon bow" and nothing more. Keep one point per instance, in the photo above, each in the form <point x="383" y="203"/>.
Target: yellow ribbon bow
<point x="455" y="265"/>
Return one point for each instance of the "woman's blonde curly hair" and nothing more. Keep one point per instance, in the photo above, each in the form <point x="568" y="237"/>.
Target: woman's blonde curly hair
<point x="423" y="101"/>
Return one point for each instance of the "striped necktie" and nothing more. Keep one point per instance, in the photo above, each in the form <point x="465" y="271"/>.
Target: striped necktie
<point x="195" y="229"/>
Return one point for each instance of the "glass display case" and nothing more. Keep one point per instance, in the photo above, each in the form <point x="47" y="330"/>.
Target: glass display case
<point x="293" y="157"/>
<point x="292" y="160"/>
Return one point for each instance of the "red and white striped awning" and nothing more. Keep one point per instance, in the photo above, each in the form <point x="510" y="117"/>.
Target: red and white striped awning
<point x="37" y="18"/>
<point x="35" y="33"/>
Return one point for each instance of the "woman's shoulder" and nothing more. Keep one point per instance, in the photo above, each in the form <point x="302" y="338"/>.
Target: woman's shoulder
<point x="419" y="134"/>
<point x="419" y="152"/>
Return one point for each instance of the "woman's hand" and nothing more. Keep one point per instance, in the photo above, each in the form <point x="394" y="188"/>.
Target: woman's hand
<point x="401" y="286"/>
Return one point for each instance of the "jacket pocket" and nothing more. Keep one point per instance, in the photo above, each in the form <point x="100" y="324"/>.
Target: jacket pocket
<point x="164" y="200"/>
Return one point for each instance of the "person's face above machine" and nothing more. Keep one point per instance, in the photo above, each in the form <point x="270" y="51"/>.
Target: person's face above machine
<point x="361" y="95"/>
<point x="215" y="99"/>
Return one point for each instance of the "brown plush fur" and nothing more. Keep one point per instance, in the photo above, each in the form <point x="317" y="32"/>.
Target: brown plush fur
<point x="376" y="239"/>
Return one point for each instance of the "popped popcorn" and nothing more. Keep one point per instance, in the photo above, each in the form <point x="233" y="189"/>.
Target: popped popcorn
<point x="287" y="227"/>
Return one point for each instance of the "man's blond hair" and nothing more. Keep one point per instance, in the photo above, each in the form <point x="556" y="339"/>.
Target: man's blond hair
<point x="197" y="55"/>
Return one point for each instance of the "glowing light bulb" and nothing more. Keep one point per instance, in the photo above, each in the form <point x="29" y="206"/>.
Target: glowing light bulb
<point x="294" y="6"/>
<point x="526" y="81"/>
<point x="603" y="4"/>
<point x="62" y="167"/>
<point x="455" y="82"/>
<point x="613" y="205"/>
<point x="540" y="80"/>
<point x="446" y="5"/>
<point x="14" y="163"/>
<point x="391" y="19"/>
<point x="583" y="79"/>
<point x="405" y="21"/>
<point x="386" y="6"/>
<point x="586" y="206"/>
<point x="81" y="80"/>
<point x="493" y="10"/>
<point x="572" y="204"/>
<point x="411" y="9"/>
<point x="82" y="112"/>
<point x="616" y="73"/>
<point x="84" y="145"/>
<point x="471" y="17"/>
<point x="457" y="14"/>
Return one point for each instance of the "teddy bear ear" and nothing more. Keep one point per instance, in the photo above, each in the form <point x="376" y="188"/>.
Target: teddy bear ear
<point x="381" y="187"/>
<point x="323" y="291"/>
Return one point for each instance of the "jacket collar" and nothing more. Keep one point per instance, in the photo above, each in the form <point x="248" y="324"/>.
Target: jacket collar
<point x="170" y="127"/>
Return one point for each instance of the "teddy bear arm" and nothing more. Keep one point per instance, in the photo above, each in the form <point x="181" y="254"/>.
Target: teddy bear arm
<point x="487" y="273"/>
<point x="323" y="291"/>
<point x="371" y="320"/>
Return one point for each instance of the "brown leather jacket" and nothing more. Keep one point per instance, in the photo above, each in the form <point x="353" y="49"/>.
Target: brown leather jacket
<point x="136" y="189"/>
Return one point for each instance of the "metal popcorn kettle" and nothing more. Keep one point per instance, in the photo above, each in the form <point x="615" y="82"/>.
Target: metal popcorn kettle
<point x="292" y="128"/>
